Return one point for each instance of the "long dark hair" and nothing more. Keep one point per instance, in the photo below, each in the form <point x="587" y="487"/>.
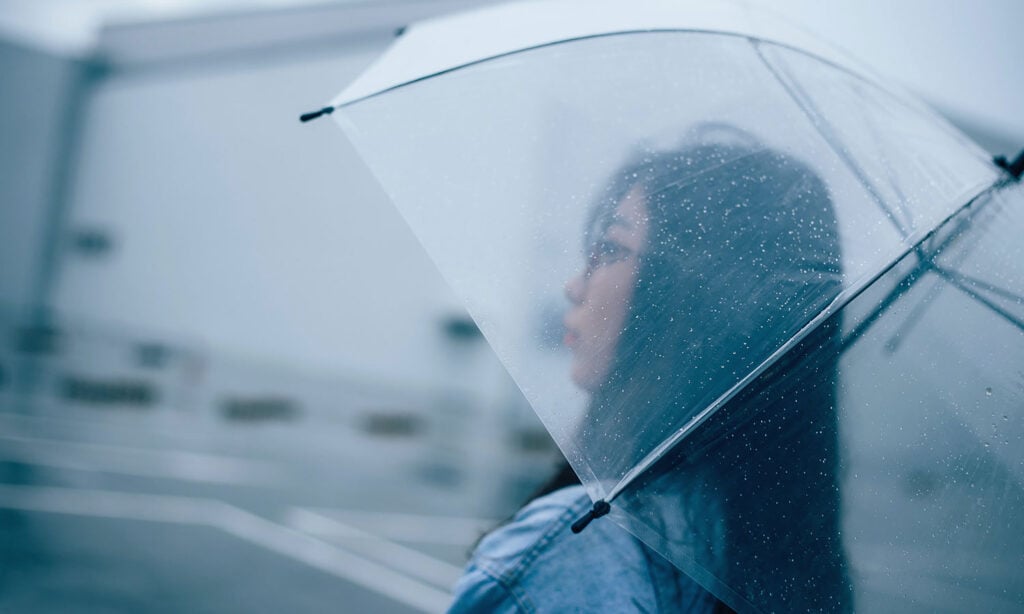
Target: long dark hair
<point x="741" y="237"/>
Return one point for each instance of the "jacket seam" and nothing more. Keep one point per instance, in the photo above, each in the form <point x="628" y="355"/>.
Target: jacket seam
<point x="509" y="579"/>
<point x="522" y="602"/>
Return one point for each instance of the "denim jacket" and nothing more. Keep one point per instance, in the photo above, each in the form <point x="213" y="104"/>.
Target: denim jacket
<point x="536" y="564"/>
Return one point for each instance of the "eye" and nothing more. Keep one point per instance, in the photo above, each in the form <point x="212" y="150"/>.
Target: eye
<point x="606" y="252"/>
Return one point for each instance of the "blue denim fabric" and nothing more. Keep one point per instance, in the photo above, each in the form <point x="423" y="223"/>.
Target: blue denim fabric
<point x="536" y="564"/>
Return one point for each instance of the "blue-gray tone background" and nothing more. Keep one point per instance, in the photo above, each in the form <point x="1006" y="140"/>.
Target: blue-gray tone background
<point x="230" y="380"/>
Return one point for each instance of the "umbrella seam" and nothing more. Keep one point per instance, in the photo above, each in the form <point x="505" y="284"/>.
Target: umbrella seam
<point x="799" y="97"/>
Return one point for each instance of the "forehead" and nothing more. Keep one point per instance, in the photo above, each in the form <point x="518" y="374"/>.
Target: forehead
<point x="628" y="222"/>
<point x="615" y="219"/>
<point x="631" y="210"/>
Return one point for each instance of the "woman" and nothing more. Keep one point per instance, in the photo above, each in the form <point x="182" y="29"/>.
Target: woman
<point x="696" y="258"/>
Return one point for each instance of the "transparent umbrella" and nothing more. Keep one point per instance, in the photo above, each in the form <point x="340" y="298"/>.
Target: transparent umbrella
<point x="768" y="307"/>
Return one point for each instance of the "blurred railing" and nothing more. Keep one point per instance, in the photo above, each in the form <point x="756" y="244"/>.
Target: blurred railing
<point x="90" y="382"/>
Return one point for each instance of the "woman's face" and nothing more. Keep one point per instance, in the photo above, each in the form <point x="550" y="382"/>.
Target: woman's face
<point x="600" y="295"/>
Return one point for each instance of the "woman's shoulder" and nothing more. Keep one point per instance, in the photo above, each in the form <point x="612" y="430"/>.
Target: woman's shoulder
<point x="534" y="527"/>
<point x="535" y="564"/>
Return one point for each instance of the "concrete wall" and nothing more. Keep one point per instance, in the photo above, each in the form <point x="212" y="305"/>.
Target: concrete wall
<point x="34" y="109"/>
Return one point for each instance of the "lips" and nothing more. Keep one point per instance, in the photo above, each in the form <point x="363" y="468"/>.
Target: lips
<point x="572" y="336"/>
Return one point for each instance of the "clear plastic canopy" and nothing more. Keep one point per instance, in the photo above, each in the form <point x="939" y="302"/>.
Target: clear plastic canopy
<point x="767" y="308"/>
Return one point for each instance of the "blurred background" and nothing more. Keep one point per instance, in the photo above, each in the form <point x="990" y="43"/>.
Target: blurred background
<point x="230" y="379"/>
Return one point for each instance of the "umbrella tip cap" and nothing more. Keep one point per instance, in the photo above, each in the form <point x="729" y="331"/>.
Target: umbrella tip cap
<point x="601" y="508"/>
<point x="1014" y="168"/>
<point x="305" y="117"/>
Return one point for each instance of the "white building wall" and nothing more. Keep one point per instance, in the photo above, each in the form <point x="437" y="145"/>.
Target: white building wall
<point x="237" y="228"/>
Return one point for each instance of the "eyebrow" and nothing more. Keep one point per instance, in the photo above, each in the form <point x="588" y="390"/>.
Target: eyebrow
<point x="617" y="220"/>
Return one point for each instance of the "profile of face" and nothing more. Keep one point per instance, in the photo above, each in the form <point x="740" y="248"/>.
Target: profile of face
<point x="600" y="295"/>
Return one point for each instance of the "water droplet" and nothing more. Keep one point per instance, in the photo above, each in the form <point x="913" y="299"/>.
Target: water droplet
<point x="988" y="391"/>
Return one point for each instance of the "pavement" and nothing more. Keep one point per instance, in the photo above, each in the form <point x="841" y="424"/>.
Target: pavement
<point x="158" y="511"/>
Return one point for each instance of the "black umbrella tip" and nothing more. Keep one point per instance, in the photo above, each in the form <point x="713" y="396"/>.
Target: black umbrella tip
<point x="1015" y="168"/>
<point x="305" y="117"/>
<point x="601" y="507"/>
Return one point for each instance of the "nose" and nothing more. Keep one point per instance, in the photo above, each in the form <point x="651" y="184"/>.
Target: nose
<point x="574" y="288"/>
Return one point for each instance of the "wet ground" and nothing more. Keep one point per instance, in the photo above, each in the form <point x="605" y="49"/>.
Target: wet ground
<point x="106" y="511"/>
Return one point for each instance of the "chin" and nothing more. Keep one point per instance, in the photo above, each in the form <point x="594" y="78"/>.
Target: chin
<point x="584" y="378"/>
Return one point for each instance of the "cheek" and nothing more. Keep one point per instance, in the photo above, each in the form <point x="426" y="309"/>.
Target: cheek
<point x="609" y="294"/>
<point x="602" y="317"/>
<point x="611" y="290"/>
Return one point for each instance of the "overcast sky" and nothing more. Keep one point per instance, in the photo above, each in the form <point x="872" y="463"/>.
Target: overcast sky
<point x="961" y="55"/>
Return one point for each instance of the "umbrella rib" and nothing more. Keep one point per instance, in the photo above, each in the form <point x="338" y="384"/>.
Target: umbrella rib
<point x="925" y="264"/>
<point x="837" y="304"/>
<point x="914" y="317"/>
<point x="341" y="103"/>
<point x="902" y="287"/>
<point x="825" y="132"/>
<point x="957" y="283"/>
<point x="984" y="285"/>
<point x="901" y="198"/>
<point x="928" y="264"/>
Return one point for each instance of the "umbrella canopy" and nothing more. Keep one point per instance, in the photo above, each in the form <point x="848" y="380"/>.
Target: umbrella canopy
<point x="768" y="307"/>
